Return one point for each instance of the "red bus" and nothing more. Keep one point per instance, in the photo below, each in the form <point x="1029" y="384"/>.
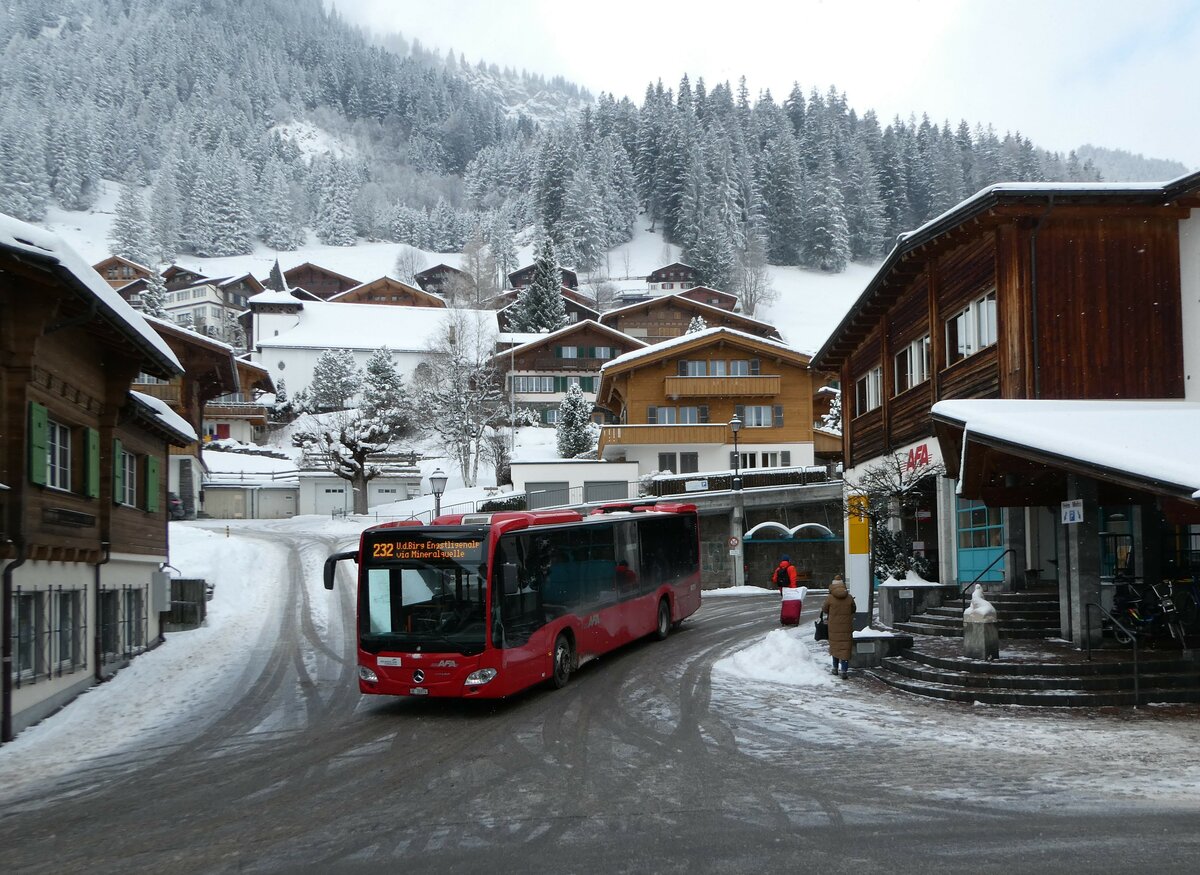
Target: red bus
<point x="485" y="605"/>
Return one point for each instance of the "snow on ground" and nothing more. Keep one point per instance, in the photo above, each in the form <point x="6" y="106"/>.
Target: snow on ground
<point x="189" y="675"/>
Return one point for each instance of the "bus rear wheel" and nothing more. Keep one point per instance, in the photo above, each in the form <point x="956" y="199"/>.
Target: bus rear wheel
<point x="663" y="628"/>
<point x="563" y="657"/>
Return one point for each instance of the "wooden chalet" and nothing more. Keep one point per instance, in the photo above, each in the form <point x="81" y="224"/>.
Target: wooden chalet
<point x="712" y="297"/>
<point x="118" y="271"/>
<point x="442" y="279"/>
<point x="675" y="276"/>
<point x="668" y="316"/>
<point x="519" y="279"/>
<point x="320" y="281"/>
<point x="176" y="277"/>
<point x="239" y="415"/>
<point x="1038" y="292"/>
<point x="674" y="401"/>
<point x="83" y="520"/>
<point x="387" y="290"/>
<point x="538" y="373"/>
<point x="579" y="307"/>
<point x="210" y="370"/>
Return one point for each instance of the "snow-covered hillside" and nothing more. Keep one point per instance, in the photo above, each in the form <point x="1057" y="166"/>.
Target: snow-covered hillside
<point x="809" y="306"/>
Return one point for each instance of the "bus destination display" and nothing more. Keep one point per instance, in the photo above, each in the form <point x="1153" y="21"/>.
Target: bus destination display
<point x="454" y="549"/>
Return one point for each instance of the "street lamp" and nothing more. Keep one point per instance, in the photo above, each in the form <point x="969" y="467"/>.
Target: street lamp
<point x="437" y="482"/>
<point x="735" y="425"/>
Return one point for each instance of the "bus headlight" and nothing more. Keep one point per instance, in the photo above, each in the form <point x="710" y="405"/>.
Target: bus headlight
<point x="481" y="677"/>
<point x="367" y="675"/>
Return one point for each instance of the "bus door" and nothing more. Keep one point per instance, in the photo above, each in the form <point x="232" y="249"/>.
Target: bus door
<point x="518" y="610"/>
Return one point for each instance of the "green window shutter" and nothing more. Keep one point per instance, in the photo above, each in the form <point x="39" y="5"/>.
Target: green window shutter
<point x="560" y="384"/>
<point x="118" y="472"/>
<point x="587" y="384"/>
<point x="37" y="444"/>
<point x="591" y="352"/>
<point x="152" y="488"/>
<point x="558" y="352"/>
<point x="92" y="469"/>
<point x="682" y="368"/>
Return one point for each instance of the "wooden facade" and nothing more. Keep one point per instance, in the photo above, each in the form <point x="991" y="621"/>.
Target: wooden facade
<point x="388" y="291"/>
<point x="320" y="281"/>
<point x="518" y="279"/>
<point x="668" y="317"/>
<point x="118" y="271"/>
<point x="1087" y="305"/>
<point x="575" y="305"/>
<point x="775" y="377"/>
<point x="442" y="279"/>
<point x="712" y="297"/>
<point x="675" y="275"/>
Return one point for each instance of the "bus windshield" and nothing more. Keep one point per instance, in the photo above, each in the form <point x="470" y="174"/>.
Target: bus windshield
<point x="435" y="603"/>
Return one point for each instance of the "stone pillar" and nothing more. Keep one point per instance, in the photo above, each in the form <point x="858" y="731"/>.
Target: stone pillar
<point x="1083" y="547"/>
<point x="1016" y="562"/>
<point x="947" y="530"/>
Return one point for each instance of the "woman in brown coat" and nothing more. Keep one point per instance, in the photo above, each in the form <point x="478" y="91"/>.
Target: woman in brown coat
<point x="839" y="607"/>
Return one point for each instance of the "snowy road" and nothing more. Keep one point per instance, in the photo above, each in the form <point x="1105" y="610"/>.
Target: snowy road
<point x="722" y="749"/>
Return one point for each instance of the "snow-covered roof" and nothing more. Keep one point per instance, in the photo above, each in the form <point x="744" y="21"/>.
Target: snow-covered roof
<point x="168" y="417"/>
<point x="46" y="246"/>
<point x="1149" y="441"/>
<point x="248" y="469"/>
<point x="573" y="328"/>
<point x="685" y="339"/>
<point x="190" y="334"/>
<point x="273" y="297"/>
<point x="689" y="303"/>
<point x="325" y="325"/>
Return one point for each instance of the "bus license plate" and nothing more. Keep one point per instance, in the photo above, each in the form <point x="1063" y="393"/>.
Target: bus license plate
<point x="418" y="691"/>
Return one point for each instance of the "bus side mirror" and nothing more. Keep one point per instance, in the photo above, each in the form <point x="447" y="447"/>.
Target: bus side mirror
<point x="331" y="565"/>
<point x="511" y="584"/>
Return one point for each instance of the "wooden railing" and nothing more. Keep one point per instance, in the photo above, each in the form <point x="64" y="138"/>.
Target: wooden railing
<point x="724" y="387"/>
<point x="169" y="392"/>
<point x="715" y="433"/>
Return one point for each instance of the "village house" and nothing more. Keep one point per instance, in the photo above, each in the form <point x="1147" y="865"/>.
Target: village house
<point x="83" y="517"/>
<point x="519" y="279"/>
<point x="538" y="371"/>
<point x="444" y="280"/>
<point x="669" y="316"/>
<point x="118" y="271"/>
<point x="387" y="290"/>
<point x="1017" y="341"/>
<point x="671" y="278"/>
<point x="319" y="281"/>
<point x="578" y="307"/>
<point x="674" y="402"/>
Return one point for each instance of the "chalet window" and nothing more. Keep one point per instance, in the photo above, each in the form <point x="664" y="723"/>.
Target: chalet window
<point x="550" y="416"/>
<point x="758" y="416"/>
<point x="912" y="365"/>
<point x="573" y="316"/>
<point x="744" y="368"/>
<point x="716" y="368"/>
<point x="689" y="463"/>
<point x="694" y="415"/>
<point x="693" y="368"/>
<point x="128" y="481"/>
<point x="666" y="462"/>
<point x="135" y="619"/>
<point x="868" y="391"/>
<point x="603" y="352"/>
<point x="566" y="352"/>
<point x="533" y="385"/>
<point x="27" y="655"/>
<point x="770" y="460"/>
<point x="971" y="329"/>
<point x="668" y="285"/>
<point x="58" y="455"/>
<point x="69" y="632"/>
<point x="660" y="416"/>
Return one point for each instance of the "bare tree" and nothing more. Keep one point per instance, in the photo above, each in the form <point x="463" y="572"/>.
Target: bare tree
<point x="479" y="263"/>
<point x="459" y="392"/>
<point x="751" y="281"/>
<point x="882" y="493"/>
<point x="409" y="263"/>
<point x="344" y="444"/>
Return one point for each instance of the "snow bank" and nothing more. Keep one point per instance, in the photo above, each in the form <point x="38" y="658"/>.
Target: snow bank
<point x="784" y="656"/>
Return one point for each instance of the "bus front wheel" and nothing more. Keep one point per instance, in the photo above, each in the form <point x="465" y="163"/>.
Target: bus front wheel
<point x="563" y="656"/>
<point x="663" y="627"/>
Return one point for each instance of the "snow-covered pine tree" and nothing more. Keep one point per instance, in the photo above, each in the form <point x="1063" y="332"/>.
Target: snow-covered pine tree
<point x="826" y="236"/>
<point x="275" y="281"/>
<point x="583" y="221"/>
<point x="129" y="235"/>
<point x="712" y="254"/>
<point x="574" y="434"/>
<point x="832" y="421"/>
<point x="154" y="298"/>
<point x="336" y="379"/>
<point x="334" y="221"/>
<point x="278" y="226"/>
<point x="539" y="306"/>
<point x="697" y="324"/>
<point x="383" y="397"/>
<point x="166" y="214"/>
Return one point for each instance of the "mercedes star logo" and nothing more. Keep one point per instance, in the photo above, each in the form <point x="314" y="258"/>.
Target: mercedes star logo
<point x="418" y="676"/>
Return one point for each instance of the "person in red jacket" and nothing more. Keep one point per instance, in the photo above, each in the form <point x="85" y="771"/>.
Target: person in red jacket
<point x="791" y="595"/>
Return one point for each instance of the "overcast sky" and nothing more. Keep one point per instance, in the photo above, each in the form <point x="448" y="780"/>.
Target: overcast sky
<point x="1115" y="73"/>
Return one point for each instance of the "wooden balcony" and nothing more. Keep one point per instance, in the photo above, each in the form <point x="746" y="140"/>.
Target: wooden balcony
<point x="255" y="413"/>
<point x="628" y="435"/>
<point x="169" y="392"/>
<point x="722" y="387"/>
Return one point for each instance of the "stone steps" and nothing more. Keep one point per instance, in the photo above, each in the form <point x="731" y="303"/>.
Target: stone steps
<point x="1063" y="684"/>
<point x="1021" y="615"/>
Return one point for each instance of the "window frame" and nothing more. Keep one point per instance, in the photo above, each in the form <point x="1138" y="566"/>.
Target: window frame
<point x="868" y="391"/>
<point x="972" y="329"/>
<point x="59" y="455"/>
<point x="129" y="479"/>
<point x="915" y="369"/>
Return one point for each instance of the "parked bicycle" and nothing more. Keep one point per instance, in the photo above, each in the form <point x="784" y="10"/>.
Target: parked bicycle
<point x="1149" y="610"/>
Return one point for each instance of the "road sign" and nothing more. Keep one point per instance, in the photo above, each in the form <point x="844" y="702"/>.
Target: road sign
<point x="1072" y="511"/>
<point x="733" y="541"/>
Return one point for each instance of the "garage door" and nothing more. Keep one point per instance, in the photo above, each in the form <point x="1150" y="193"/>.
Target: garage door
<point x="605" y="490"/>
<point x="547" y="494"/>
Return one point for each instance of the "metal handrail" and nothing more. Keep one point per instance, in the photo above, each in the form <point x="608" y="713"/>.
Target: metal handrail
<point x="962" y="596"/>
<point x="1087" y="636"/>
